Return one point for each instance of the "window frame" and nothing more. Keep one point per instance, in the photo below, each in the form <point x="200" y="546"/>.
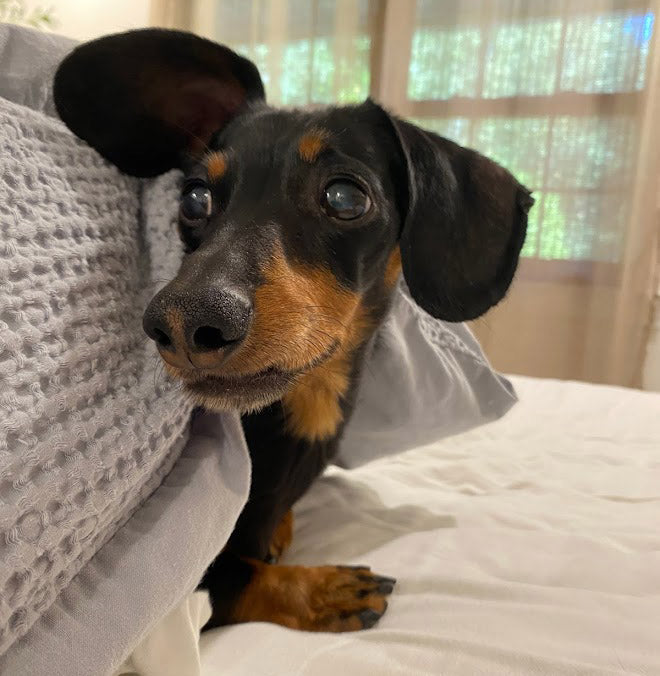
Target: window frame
<point x="395" y="23"/>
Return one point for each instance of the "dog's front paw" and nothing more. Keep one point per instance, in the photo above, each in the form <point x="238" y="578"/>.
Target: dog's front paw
<point x="323" y="598"/>
<point x="281" y="539"/>
<point x="347" y="598"/>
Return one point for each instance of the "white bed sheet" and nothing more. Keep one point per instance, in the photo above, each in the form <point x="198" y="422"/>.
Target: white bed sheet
<point x="528" y="546"/>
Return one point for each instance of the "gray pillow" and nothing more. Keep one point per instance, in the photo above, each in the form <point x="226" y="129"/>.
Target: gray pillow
<point x="424" y="380"/>
<point x="28" y="62"/>
<point x="89" y="426"/>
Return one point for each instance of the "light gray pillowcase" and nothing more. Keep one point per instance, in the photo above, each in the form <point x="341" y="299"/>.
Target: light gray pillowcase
<point x="424" y="380"/>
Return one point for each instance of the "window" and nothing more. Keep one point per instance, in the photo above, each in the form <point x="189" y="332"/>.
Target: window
<point x="549" y="88"/>
<point x="552" y="97"/>
<point x="307" y="52"/>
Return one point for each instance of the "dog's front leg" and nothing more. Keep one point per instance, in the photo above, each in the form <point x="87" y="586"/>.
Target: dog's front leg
<point x="322" y="598"/>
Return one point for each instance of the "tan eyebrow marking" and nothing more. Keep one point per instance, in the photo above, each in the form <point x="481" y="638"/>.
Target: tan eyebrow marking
<point x="216" y="165"/>
<point x="312" y="143"/>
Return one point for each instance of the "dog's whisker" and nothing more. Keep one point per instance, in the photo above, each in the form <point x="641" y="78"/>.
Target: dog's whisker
<point x="190" y="155"/>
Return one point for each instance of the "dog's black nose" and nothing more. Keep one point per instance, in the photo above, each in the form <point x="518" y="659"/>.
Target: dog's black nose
<point x="196" y="322"/>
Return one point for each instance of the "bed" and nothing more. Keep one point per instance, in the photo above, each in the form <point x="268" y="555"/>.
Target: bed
<point x="528" y="546"/>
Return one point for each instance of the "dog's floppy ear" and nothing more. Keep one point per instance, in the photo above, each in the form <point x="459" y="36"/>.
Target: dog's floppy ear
<point x="146" y="98"/>
<point x="463" y="227"/>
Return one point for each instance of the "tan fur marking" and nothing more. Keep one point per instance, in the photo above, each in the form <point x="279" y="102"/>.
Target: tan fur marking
<point x="282" y="537"/>
<point x="393" y="269"/>
<point x="313" y="404"/>
<point x="324" y="598"/>
<point x="216" y="165"/>
<point x="176" y="357"/>
<point x="176" y="362"/>
<point x="312" y="143"/>
<point x="174" y="320"/>
<point x="301" y="314"/>
<point x="207" y="360"/>
<point x="303" y="306"/>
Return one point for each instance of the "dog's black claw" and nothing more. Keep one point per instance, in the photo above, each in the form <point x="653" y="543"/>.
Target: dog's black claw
<point x="369" y="617"/>
<point x="354" y="567"/>
<point x="386" y="587"/>
<point x="381" y="579"/>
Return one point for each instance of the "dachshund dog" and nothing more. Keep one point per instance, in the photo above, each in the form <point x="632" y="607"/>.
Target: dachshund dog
<point x="296" y="226"/>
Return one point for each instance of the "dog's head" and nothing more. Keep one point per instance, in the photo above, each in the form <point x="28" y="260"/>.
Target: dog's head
<point x="296" y="224"/>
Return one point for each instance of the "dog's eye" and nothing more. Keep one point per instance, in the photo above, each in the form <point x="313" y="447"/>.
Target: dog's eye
<point x="196" y="202"/>
<point x="345" y="200"/>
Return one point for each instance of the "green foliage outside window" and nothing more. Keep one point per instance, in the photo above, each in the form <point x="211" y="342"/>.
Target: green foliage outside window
<point x="15" y="11"/>
<point x="311" y="71"/>
<point x="580" y="168"/>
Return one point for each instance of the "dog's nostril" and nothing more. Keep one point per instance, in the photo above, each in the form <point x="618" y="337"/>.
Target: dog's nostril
<point x="209" y="338"/>
<point x="161" y="338"/>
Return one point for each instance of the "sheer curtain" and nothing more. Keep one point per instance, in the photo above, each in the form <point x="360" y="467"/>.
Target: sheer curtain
<point x="307" y="52"/>
<point x="565" y="94"/>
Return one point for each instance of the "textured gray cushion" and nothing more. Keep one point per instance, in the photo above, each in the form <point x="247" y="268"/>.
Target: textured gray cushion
<point x="90" y="427"/>
<point x="425" y="380"/>
<point x="28" y="62"/>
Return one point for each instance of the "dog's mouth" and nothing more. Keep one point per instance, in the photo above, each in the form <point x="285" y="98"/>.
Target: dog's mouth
<point x="262" y="383"/>
<point x="246" y="392"/>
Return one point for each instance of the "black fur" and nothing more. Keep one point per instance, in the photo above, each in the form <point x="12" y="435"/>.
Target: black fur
<point x="115" y="93"/>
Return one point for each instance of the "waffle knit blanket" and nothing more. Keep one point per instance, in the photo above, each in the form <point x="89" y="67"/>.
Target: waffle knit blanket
<point x="85" y="417"/>
<point x="89" y="424"/>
